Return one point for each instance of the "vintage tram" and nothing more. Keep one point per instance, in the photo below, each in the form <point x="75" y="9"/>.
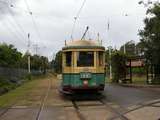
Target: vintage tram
<point x="83" y="66"/>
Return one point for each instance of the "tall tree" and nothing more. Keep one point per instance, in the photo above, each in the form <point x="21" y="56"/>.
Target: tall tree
<point x="150" y="36"/>
<point x="37" y="62"/>
<point x="57" y="63"/>
<point x="9" y="56"/>
<point x="119" y="66"/>
<point x="130" y="48"/>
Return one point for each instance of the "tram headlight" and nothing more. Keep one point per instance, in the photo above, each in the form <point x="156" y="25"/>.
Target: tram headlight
<point x="85" y="82"/>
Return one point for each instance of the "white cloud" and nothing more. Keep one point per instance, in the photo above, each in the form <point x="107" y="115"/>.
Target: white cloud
<point x="54" y="20"/>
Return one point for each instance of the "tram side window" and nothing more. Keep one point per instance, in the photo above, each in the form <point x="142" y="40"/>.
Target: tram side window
<point x="101" y="61"/>
<point x="68" y="59"/>
<point x="85" y="59"/>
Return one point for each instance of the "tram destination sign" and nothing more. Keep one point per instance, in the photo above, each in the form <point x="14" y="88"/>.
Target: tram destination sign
<point x="85" y="75"/>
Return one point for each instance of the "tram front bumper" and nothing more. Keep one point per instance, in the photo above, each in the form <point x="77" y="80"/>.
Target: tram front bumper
<point x="76" y="88"/>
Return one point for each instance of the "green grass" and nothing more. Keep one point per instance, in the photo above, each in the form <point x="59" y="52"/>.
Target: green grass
<point x="139" y="79"/>
<point x="12" y="96"/>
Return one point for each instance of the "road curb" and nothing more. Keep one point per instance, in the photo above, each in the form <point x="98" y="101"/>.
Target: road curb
<point x="140" y="86"/>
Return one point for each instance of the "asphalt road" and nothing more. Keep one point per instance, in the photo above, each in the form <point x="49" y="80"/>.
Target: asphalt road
<point x="129" y="96"/>
<point x="44" y="102"/>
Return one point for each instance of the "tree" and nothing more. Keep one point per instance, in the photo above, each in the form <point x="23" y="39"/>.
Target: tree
<point x="150" y="37"/>
<point x="24" y="61"/>
<point x="57" y="63"/>
<point x="130" y="48"/>
<point x="44" y="64"/>
<point x="37" y="62"/>
<point x="9" y="56"/>
<point x="140" y="49"/>
<point x="108" y="58"/>
<point x="118" y="66"/>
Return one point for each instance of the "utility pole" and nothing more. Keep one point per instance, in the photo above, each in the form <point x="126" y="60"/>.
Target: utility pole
<point x="28" y="51"/>
<point x="135" y="49"/>
<point x="110" y="66"/>
<point x="36" y="47"/>
<point x="124" y="48"/>
<point x="110" y="53"/>
<point x="98" y="36"/>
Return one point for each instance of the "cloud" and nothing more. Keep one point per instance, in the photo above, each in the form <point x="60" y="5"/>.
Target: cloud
<point x="54" y="20"/>
<point x="5" y="7"/>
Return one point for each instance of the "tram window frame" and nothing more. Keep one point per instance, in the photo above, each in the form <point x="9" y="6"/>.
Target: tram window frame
<point x="101" y="58"/>
<point x="68" y="57"/>
<point x="84" y="63"/>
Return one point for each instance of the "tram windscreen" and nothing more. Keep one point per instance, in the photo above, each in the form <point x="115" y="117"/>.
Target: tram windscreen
<point x="68" y="58"/>
<point x="85" y="59"/>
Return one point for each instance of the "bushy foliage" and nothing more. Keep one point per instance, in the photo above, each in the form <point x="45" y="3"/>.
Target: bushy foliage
<point x="130" y="48"/>
<point x="37" y="62"/>
<point x="6" y="85"/>
<point x="118" y="66"/>
<point x="150" y="37"/>
<point x="57" y="63"/>
<point x="9" y="56"/>
<point x="151" y="34"/>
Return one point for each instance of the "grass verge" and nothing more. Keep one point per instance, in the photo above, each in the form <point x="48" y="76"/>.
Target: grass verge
<point x="12" y="96"/>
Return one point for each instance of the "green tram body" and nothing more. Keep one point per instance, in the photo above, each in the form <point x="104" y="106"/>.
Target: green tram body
<point x="83" y="66"/>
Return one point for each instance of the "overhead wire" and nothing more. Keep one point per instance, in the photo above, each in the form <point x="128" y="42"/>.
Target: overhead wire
<point x="35" y="13"/>
<point x="76" y="17"/>
<point x="14" y="19"/>
<point x="9" y="21"/>
<point x="34" y="22"/>
<point x="14" y="32"/>
<point x="24" y="34"/>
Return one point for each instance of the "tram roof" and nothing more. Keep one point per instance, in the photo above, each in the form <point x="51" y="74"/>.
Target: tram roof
<point x="83" y="44"/>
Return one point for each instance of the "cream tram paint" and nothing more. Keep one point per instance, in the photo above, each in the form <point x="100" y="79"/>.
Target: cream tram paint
<point x="82" y="78"/>
<point x="74" y="69"/>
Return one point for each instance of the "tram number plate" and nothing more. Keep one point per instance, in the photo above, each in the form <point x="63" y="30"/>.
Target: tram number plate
<point x="85" y="75"/>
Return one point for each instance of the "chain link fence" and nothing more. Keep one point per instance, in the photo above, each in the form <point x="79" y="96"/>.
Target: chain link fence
<point x="13" y="77"/>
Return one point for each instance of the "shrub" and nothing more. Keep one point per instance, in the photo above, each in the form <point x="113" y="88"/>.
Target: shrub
<point x="118" y="66"/>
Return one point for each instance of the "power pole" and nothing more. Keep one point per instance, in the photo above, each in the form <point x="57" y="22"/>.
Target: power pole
<point x="124" y="48"/>
<point x="36" y="47"/>
<point x="29" y="59"/>
<point x="110" y="52"/>
<point x="110" y="66"/>
<point x="98" y="37"/>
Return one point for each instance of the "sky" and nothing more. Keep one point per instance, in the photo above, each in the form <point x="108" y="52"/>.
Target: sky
<point x="52" y="21"/>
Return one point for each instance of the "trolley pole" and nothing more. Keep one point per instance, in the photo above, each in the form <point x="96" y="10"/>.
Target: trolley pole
<point x="29" y="59"/>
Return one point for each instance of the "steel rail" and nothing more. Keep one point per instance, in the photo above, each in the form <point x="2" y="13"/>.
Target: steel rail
<point x="118" y="114"/>
<point x="80" y="116"/>
<point x="44" y="100"/>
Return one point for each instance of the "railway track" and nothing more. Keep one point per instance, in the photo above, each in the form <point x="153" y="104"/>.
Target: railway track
<point x="80" y="116"/>
<point x="40" y="111"/>
<point x="118" y="114"/>
<point x="101" y="103"/>
<point x="42" y="105"/>
<point x="143" y="105"/>
<point x="122" y="115"/>
<point x="75" y="103"/>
